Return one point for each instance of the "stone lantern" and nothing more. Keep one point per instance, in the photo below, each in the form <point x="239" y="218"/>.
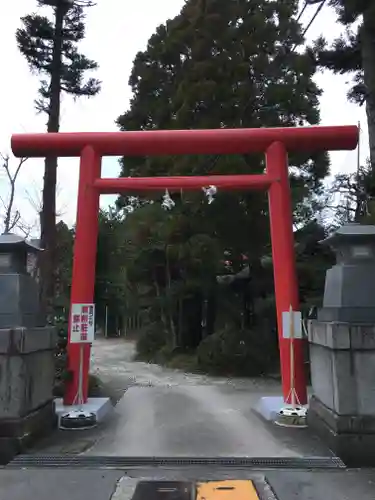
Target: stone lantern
<point x="342" y="349"/>
<point x="19" y="294"/>
<point x="26" y="353"/>
<point x="349" y="294"/>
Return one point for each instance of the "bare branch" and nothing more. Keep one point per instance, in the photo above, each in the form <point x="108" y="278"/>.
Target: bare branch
<point x="36" y="202"/>
<point x="11" y="219"/>
<point x="14" y="221"/>
<point x="3" y="203"/>
<point x="26" y="229"/>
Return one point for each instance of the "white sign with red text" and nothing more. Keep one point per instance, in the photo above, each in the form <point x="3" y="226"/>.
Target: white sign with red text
<point x="82" y="323"/>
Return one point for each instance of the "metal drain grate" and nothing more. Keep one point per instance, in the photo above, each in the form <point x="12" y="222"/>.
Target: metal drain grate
<point x="111" y="462"/>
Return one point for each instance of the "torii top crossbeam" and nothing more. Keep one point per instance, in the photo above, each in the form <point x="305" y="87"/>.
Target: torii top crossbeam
<point x="185" y="142"/>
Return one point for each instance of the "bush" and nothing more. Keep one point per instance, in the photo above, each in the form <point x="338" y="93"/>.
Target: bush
<point x="238" y="353"/>
<point x="62" y="375"/>
<point x="150" y="341"/>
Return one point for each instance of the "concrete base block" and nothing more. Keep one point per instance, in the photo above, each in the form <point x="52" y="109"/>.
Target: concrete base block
<point x="268" y="407"/>
<point x="350" y="437"/>
<point x="101" y="407"/>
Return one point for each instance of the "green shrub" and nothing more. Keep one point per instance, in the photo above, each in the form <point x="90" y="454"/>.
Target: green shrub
<point x="237" y="352"/>
<point x="62" y="374"/>
<point x="186" y="362"/>
<point x="164" y="354"/>
<point x="150" y="341"/>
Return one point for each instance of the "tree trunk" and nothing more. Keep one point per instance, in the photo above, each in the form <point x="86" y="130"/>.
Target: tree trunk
<point x="174" y="341"/>
<point x="211" y="311"/>
<point x="248" y="312"/>
<point x="158" y="294"/>
<point x="368" y="62"/>
<point x="48" y="214"/>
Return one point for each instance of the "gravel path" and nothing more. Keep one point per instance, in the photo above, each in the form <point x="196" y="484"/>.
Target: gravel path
<point x="113" y="362"/>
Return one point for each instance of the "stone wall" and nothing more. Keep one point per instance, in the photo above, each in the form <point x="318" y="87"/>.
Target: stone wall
<point x="26" y="387"/>
<point x="342" y="409"/>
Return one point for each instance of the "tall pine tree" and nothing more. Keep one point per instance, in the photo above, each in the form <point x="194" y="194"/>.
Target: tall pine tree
<point x="353" y="53"/>
<point x="51" y="50"/>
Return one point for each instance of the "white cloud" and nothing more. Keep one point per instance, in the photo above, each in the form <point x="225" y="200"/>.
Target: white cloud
<point x="116" y="31"/>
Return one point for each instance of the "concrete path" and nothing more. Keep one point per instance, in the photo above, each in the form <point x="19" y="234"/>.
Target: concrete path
<point x="78" y="484"/>
<point x="170" y="413"/>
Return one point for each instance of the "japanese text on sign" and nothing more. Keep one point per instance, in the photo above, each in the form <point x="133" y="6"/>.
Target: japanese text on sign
<point x="82" y="323"/>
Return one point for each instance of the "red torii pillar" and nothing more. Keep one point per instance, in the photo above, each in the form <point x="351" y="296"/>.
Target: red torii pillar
<point x="274" y="142"/>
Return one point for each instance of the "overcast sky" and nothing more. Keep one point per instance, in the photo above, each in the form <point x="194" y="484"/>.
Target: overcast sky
<point x="116" y="31"/>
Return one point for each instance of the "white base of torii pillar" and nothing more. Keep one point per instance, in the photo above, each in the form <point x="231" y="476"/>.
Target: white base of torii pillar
<point x="274" y="408"/>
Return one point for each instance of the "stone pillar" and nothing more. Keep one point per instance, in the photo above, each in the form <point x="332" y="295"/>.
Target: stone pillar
<point x="26" y="353"/>
<point x="342" y="349"/>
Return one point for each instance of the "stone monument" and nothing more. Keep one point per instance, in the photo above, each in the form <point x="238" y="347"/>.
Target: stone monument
<point x="342" y="349"/>
<point x="26" y="353"/>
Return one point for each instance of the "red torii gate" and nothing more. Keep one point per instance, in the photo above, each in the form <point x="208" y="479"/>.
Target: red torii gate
<point x="274" y="142"/>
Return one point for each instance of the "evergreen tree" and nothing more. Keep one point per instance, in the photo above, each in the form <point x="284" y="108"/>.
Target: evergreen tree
<point x="223" y="64"/>
<point x="353" y="53"/>
<point x="111" y="280"/>
<point x="64" y="260"/>
<point x="226" y="63"/>
<point x="51" y="50"/>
